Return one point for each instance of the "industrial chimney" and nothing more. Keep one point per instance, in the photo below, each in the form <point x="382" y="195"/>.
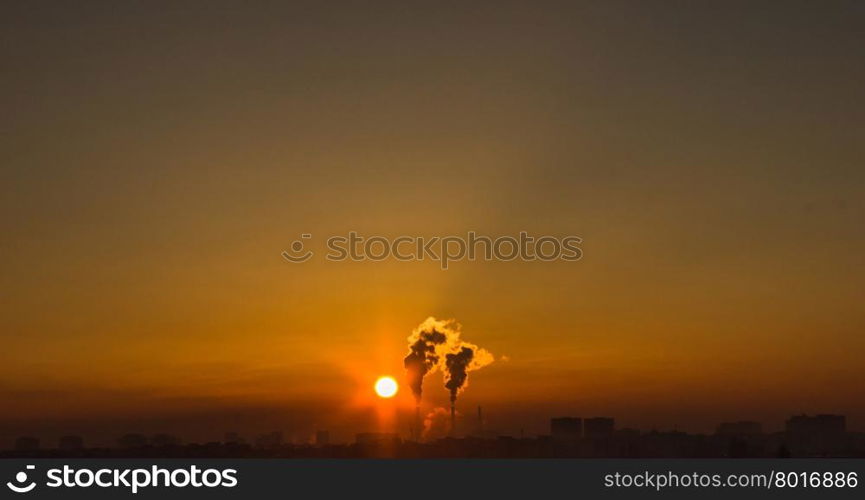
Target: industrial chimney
<point x="453" y="420"/>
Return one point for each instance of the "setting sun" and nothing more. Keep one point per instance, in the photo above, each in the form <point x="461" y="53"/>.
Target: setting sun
<point x="386" y="387"/>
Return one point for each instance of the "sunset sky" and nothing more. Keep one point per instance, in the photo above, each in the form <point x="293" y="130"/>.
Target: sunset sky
<point x="156" y="158"/>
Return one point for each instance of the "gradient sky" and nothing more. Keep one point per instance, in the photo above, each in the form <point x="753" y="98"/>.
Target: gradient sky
<point x="156" y="158"/>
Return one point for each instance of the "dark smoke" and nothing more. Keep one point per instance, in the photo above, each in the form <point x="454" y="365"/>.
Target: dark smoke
<point x="437" y="344"/>
<point x="456" y="370"/>
<point x="422" y="359"/>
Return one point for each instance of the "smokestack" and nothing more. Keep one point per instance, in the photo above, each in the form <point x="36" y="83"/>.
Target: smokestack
<point x="453" y="420"/>
<point x="480" y="422"/>
<point x="436" y="344"/>
<point x="417" y="424"/>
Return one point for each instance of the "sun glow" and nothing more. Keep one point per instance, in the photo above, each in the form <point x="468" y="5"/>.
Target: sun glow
<point x="386" y="387"/>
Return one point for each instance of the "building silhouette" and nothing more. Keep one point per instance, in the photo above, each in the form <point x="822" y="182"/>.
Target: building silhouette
<point x="740" y="428"/>
<point x="570" y="437"/>
<point x="599" y="427"/>
<point x="132" y="441"/>
<point x="566" y="428"/>
<point x="27" y="443"/>
<point x="231" y="437"/>
<point x="269" y="441"/>
<point x="818" y="424"/>
<point x="160" y="440"/>
<point x="70" y="443"/>
<point x="376" y="438"/>
<point x="816" y="435"/>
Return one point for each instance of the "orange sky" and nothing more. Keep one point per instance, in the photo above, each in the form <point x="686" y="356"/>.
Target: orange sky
<point x="160" y="159"/>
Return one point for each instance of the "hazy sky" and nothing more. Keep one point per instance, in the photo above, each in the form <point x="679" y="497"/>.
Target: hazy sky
<point x="157" y="157"/>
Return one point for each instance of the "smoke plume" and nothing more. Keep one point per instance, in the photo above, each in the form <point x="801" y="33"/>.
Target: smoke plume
<point x="456" y="370"/>
<point x="438" y="344"/>
<point x="422" y="358"/>
<point x="436" y="424"/>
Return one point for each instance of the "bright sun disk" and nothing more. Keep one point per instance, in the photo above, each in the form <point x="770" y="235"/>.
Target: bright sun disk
<point x="386" y="387"/>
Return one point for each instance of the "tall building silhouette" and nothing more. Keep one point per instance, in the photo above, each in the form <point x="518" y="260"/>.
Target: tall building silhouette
<point x="817" y="435"/>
